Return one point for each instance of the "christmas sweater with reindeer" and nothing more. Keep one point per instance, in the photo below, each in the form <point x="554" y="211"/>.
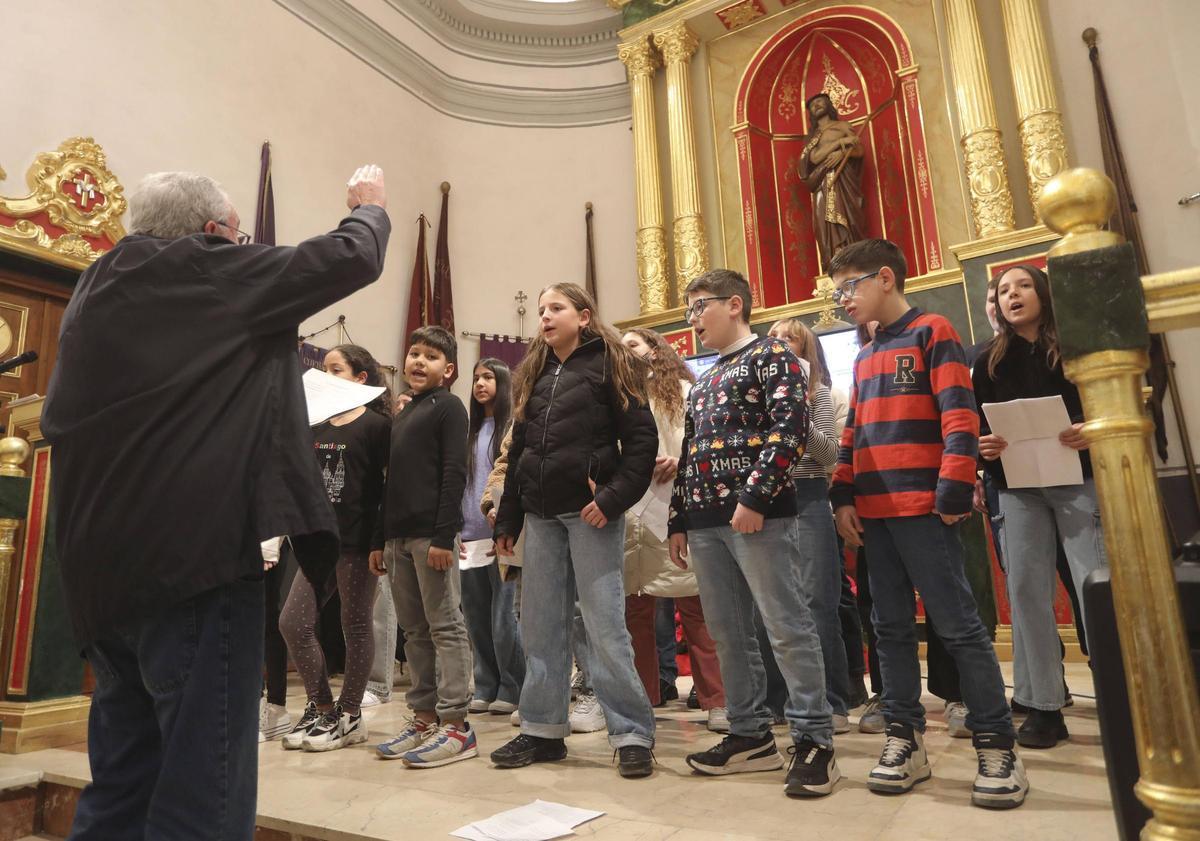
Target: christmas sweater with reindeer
<point x="746" y="425"/>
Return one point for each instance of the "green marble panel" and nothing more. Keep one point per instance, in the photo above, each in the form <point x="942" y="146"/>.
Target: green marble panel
<point x="14" y="497"/>
<point x="1098" y="301"/>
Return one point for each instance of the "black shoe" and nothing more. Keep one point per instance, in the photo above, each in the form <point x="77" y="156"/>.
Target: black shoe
<point x="813" y="772"/>
<point x="1019" y="708"/>
<point x="526" y="750"/>
<point x="666" y="692"/>
<point x="1042" y="729"/>
<point x="738" y="754"/>
<point x="635" y="761"/>
<point x="693" y="701"/>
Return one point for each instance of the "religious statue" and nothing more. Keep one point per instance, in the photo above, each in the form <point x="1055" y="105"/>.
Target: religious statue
<point x="831" y="166"/>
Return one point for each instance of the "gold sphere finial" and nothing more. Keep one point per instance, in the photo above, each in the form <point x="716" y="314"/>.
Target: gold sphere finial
<point x="445" y="186"/>
<point x="13" y="454"/>
<point x="1090" y="36"/>
<point x="1077" y="200"/>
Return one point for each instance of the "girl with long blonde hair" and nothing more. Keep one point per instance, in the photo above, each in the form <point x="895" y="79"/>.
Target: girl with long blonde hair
<point x="582" y="453"/>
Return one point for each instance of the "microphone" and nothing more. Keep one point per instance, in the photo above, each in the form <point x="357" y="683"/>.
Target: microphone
<point x="17" y="361"/>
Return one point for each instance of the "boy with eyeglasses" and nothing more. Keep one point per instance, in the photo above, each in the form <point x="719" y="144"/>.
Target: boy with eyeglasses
<point x="904" y="480"/>
<point x="733" y="517"/>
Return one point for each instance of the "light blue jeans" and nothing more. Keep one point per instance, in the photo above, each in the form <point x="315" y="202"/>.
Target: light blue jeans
<point x="820" y="573"/>
<point x="489" y="606"/>
<point x="736" y="573"/>
<point x="563" y="554"/>
<point x="1029" y="540"/>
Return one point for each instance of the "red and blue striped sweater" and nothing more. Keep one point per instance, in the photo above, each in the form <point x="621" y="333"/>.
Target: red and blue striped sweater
<point x="912" y="436"/>
<point x="746" y="426"/>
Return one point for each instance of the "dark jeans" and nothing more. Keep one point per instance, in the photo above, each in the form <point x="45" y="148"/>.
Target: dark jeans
<point x="863" y="581"/>
<point x="489" y="607"/>
<point x="664" y="640"/>
<point x="173" y="729"/>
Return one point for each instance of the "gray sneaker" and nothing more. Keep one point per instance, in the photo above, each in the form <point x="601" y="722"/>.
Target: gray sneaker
<point x="871" y="720"/>
<point x="956" y="720"/>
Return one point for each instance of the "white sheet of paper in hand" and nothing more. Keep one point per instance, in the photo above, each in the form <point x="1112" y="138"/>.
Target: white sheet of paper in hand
<point x="328" y="395"/>
<point x="1034" y="457"/>
<point x="654" y="509"/>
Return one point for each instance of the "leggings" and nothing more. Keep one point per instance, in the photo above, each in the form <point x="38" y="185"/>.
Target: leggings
<point x="273" y="644"/>
<point x="353" y="580"/>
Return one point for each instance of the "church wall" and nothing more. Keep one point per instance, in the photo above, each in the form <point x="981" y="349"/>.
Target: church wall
<point x="200" y="86"/>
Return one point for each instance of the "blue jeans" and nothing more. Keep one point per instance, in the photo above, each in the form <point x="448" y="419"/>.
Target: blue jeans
<point x="489" y="607"/>
<point x="820" y="573"/>
<point x="561" y="554"/>
<point x="173" y="728"/>
<point x="738" y="573"/>
<point x="924" y="553"/>
<point x="664" y="640"/>
<point x="1030" y="517"/>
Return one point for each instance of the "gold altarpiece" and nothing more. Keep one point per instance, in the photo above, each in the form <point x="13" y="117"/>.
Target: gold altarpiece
<point x="716" y="174"/>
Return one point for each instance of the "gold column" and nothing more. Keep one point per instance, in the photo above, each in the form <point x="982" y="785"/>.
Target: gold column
<point x="987" y="173"/>
<point x="13" y="454"/>
<point x="1043" y="143"/>
<point x="641" y="62"/>
<point x="1154" y="647"/>
<point x="677" y="46"/>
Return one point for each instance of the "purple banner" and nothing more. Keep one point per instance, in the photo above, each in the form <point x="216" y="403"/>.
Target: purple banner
<point x="508" y="349"/>
<point x="312" y="356"/>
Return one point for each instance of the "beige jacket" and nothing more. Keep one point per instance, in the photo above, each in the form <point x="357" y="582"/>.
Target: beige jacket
<point x="492" y="491"/>
<point x="648" y="567"/>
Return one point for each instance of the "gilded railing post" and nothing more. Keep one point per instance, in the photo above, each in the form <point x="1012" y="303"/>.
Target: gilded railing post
<point x="1043" y="143"/>
<point x="1104" y="336"/>
<point x="677" y="46"/>
<point x="641" y="61"/>
<point x="13" y="454"/>
<point x="987" y="172"/>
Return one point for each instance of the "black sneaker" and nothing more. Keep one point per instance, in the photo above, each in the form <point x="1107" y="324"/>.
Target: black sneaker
<point x="693" y="700"/>
<point x="634" y="761"/>
<point x="526" y="750"/>
<point x="295" y="739"/>
<point x="667" y="691"/>
<point x="1042" y="729"/>
<point x="903" y="762"/>
<point x="737" y="755"/>
<point x="813" y="772"/>
<point x="1000" y="782"/>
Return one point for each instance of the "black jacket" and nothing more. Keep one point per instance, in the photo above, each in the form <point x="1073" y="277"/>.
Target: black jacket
<point x="178" y="416"/>
<point x="429" y="467"/>
<point x="572" y="425"/>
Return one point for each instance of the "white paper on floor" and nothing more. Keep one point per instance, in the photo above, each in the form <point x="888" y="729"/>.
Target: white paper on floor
<point x="539" y="821"/>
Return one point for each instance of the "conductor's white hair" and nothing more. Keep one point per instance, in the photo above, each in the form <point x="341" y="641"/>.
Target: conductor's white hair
<point x="175" y="204"/>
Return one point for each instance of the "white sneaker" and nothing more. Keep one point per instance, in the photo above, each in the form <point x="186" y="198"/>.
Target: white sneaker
<point x="273" y="721"/>
<point x="478" y="705"/>
<point x="871" y="720"/>
<point x="501" y="707"/>
<point x="956" y="720"/>
<point x="903" y="762"/>
<point x="841" y="723"/>
<point x="336" y="729"/>
<point x="445" y="745"/>
<point x="1001" y="782"/>
<point x="294" y="740"/>
<point x="578" y="685"/>
<point x="718" y="720"/>
<point x="411" y="737"/>
<point x="370" y="699"/>
<point x="587" y="716"/>
<point x="515" y="718"/>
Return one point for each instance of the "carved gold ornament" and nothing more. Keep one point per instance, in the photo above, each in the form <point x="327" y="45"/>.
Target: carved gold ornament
<point x="1044" y="147"/>
<point x="840" y="94"/>
<point x="6" y="336"/>
<point x="691" y="252"/>
<point x="639" y="58"/>
<point x="987" y="176"/>
<point x="740" y="14"/>
<point x="73" y="190"/>
<point x="652" y="269"/>
<point x="676" y="44"/>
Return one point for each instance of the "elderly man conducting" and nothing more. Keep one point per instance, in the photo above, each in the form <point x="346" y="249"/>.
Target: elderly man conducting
<point x="181" y="440"/>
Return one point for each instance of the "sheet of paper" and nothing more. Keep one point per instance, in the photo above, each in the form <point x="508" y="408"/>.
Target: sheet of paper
<point x="328" y="395"/>
<point x="654" y="508"/>
<point x="477" y="554"/>
<point x="1034" y="458"/>
<point x="541" y="820"/>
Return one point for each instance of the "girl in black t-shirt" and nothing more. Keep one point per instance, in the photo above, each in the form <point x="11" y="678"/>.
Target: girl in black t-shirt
<point x="352" y="451"/>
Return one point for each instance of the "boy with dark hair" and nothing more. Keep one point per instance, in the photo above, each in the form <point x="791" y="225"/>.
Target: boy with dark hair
<point x="733" y="512"/>
<point x="904" y="480"/>
<point x="422" y="515"/>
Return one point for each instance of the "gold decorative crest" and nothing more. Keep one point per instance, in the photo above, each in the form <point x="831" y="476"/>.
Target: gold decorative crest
<point x="840" y="95"/>
<point x="73" y="212"/>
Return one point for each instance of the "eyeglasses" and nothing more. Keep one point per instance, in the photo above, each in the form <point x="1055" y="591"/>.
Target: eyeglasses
<point x="242" y="236"/>
<point x="847" y="289"/>
<point x="697" y="308"/>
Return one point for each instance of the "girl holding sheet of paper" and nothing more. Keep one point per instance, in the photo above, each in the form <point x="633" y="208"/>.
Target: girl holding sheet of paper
<point x="649" y="573"/>
<point x="352" y="449"/>
<point x="1023" y="362"/>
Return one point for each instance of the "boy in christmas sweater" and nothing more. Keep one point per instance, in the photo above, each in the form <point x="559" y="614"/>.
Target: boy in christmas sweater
<point x="733" y="516"/>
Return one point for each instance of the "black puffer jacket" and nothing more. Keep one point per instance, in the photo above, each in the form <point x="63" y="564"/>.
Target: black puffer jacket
<point x="572" y="425"/>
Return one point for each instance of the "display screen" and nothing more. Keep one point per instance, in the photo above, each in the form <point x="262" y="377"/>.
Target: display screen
<point x="841" y="349"/>
<point x="700" y="364"/>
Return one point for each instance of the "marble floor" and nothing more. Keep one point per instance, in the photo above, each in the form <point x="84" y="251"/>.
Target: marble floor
<point x="349" y="794"/>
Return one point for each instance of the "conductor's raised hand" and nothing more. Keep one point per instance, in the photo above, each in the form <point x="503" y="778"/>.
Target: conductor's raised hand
<point x="366" y="187"/>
